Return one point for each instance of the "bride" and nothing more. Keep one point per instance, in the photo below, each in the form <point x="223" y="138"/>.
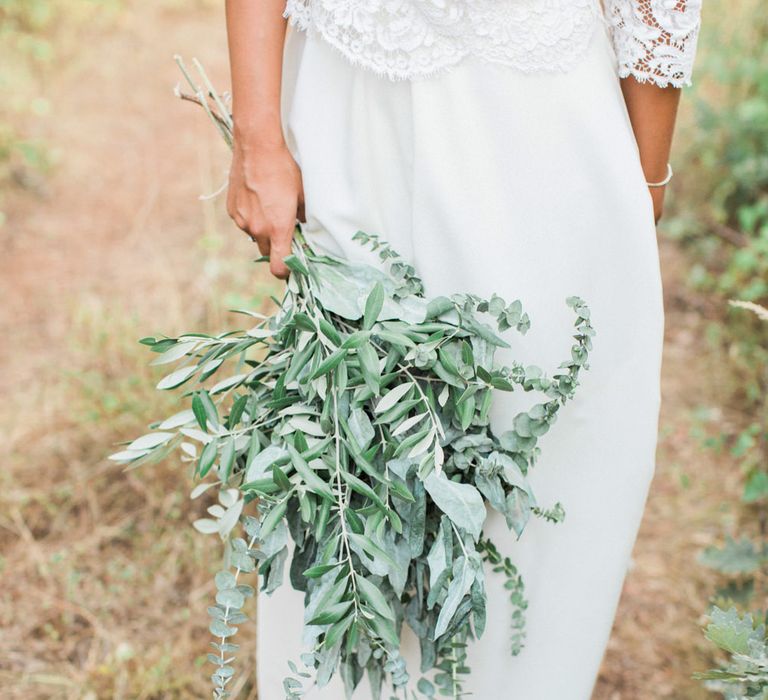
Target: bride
<point x="510" y="146"/>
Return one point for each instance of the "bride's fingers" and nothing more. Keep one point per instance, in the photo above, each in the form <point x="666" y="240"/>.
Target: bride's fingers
<point x="262" y="240"/>
<point x="240" y="222"/>
<point x="301" y="213"/>
<point x="280" y="249"/>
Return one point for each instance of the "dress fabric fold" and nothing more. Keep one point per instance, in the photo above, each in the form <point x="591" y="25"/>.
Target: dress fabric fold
<point x="489" y="179"/>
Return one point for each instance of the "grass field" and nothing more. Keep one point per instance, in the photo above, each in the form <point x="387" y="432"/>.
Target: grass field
<point x="104" y="582"/>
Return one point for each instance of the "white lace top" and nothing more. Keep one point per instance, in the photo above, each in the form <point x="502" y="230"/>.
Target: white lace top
<point x="655" y="40"/>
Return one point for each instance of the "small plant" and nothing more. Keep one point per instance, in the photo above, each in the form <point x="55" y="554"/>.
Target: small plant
<point x="745" y="563"/>
<point x="744" y="638"/>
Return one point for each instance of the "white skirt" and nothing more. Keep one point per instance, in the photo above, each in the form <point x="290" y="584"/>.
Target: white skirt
<point x="529" y="186"/>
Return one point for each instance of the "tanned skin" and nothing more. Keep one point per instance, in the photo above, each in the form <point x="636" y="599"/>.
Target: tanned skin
<point x="652" y="111"/>
<point x="265" y="195"/>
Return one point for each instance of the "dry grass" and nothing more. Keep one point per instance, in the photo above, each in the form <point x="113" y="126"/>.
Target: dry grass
<point x="104" y="583"/>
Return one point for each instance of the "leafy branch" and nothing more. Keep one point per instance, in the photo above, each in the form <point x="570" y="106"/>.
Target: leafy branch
<point x="354" y="424"/>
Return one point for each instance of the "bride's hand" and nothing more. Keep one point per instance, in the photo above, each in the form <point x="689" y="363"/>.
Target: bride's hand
<point x="266" y="197"/>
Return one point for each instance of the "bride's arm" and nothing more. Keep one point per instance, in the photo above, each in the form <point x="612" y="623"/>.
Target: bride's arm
<point x="652" y="111"/>
<point x="655" y="47"/>
<point x="265" y="192"/>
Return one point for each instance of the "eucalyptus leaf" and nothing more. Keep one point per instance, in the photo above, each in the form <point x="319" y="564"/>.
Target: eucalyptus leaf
<point x="463" y="577"/>
<point x="462" y="503"/>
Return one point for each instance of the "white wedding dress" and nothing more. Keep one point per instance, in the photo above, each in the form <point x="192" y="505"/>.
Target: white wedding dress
<point x="488" y="141"/>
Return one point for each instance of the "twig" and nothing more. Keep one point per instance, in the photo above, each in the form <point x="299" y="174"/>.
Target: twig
<point x="193" y="98"/>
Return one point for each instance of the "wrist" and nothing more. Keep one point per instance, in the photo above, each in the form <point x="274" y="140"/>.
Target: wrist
<point x="657" y="181"/>
<point x="655" y="164"/>
<point x="258" y="129"/>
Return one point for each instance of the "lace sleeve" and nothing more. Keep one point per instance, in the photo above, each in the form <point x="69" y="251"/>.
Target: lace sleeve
<point x="655" y="40"/>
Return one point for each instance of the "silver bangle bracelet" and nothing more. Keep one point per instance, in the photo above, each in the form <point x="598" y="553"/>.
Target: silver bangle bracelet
<point x="665" y="181"/>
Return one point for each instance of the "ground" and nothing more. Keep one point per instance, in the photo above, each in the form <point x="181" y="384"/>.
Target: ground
<point x="104" y="582"/>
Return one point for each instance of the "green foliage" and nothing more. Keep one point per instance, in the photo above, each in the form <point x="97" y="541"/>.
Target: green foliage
<point x="726" y="220"/>
<point x="741" y="557"/>
<point x="514" y="585"/>
<point x="744" y="638"/>
<point x="724" y="225"/>
<point x="355" y="423"/>
<point x="725" y="231"/>
<point x="745" y="562"/>
<point x="231" y="595"/>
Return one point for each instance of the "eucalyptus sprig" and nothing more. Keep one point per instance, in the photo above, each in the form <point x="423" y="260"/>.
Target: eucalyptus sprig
<point x="354" y="423"/>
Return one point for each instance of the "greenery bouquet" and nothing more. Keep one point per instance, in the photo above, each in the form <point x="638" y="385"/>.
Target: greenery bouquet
<point x="349" y="433"/>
